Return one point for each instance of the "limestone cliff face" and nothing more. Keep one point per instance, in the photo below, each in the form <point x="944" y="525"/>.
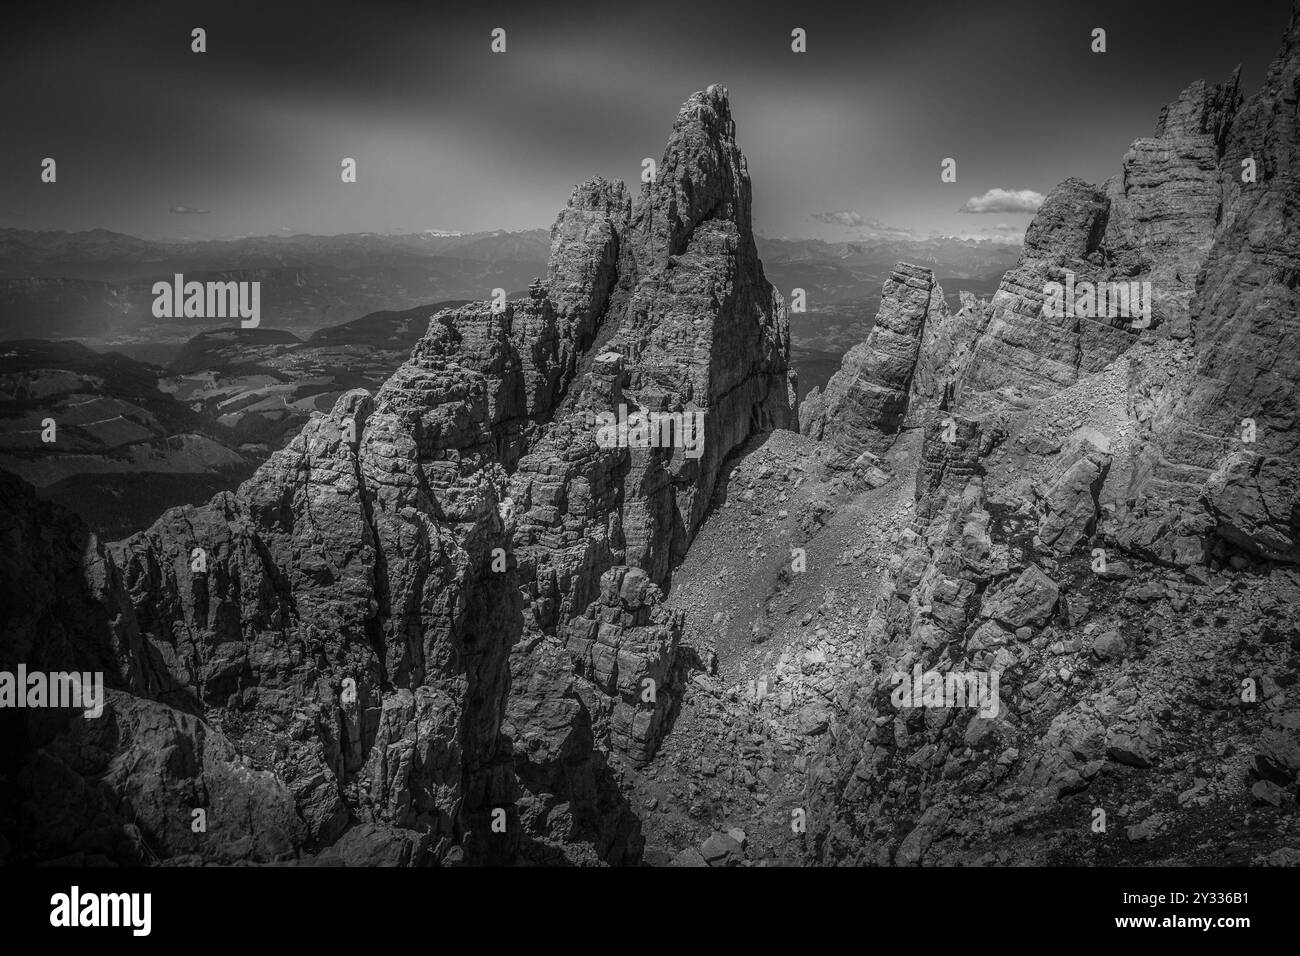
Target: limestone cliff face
<point x="121" y="787"/>
<point x="446" y="599"/>
<point x="1023" y="351"/>
<point x="348" y="621"/>
<point x="681" y="318"/>
<point x="703" y="327"/>
<point x="993" y="576"/>
<point x="684" y="321"/>
<point x="1154" y="222"/>
<point x="866" y="401"/>
<point x="1217" y="254"/>
<point x="944" y="355"/>
<point x="1247" y="349"/>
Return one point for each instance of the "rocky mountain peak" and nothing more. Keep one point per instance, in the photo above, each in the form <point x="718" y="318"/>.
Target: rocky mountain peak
<point x="702" y="175"/>
<point x="866" y="401"/>
<point x="1084" y="496"/>
<point x="483" y="596"/>
<point x="460" y="554"/>
<point x="1069" y="225"/>
<point x="1202" y="110"/>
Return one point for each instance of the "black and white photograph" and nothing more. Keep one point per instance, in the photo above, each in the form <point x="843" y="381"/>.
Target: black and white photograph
<point x="836" y="436"/>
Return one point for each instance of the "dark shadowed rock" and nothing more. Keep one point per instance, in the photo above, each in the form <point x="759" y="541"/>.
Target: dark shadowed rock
<point x="1254" y="502"/>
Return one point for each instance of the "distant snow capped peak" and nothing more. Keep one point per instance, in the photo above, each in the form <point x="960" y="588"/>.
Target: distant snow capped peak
<point x="442" y="233"/>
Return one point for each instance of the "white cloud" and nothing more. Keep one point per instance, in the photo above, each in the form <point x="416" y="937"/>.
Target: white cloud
<point x="1004" y="200"/>
<point x="1015" y="238"/>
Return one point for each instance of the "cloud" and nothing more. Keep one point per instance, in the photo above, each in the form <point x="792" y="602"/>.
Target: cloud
<point x="188" y="211"/>
<point x="1004" y="200"/>
<point x="865" y="227"/>
<point x="999" y="237"/>
<point x="840" y="217"/>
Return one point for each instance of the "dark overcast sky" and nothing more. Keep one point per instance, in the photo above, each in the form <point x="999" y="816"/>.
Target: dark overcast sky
<point x="451" y="136"/>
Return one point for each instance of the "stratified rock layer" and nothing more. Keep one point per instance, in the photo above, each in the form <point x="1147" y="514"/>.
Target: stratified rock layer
<point x="1081" y="580"/>
<point x="686" y="324"/>
<point x="865" y="402"/>
<point x="1242" y="397"/>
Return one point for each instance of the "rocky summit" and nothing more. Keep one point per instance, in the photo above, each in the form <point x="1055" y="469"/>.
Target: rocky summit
<point x="1105" y="516"/>
<point x="427" y="627"/>
<point x="1019" y="584"/>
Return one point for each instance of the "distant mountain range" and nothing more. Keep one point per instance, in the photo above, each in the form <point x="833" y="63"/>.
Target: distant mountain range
<point x="849" y="271"/>
<point x="107" y="256"/>
<point x="97" y="286"/>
